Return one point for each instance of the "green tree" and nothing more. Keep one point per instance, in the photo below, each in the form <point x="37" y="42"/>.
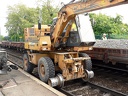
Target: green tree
<point x="20" y="17"/>
<point x="1" y="37"/>
<point x="102" y="24"/>
<point x="108" y="25"/>
<point x="48" y="10"/>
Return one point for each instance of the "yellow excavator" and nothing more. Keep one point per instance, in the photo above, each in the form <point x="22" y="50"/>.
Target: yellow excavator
<point x="57" y="49"/>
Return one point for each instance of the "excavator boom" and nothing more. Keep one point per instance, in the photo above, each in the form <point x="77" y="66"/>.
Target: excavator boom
<point x="69" y="11"/>
<point x="92" y="5"/>
<point x="55" y="49"/>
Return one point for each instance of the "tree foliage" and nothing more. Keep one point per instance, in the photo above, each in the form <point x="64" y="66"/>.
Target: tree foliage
<point x="20" y="17"/>
<point x="48" y="10"/>
<point x="1" y="38"/>
<point x="109" y="25"/>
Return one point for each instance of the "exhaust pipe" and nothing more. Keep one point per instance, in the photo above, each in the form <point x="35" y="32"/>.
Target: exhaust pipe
<point x="56" y="81"/>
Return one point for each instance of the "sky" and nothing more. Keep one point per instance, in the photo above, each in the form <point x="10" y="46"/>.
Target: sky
<point x="121" y="10"/>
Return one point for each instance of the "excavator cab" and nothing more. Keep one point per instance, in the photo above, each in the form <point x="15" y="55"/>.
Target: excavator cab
<point x="81" y="33"/>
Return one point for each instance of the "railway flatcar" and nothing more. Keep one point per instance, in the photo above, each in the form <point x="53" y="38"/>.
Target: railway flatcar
<point x="111" y="50"/>
<point x="13" y="45"/>
<point x="4" y="44"/>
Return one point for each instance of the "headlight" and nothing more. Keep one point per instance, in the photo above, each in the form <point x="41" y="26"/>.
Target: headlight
<point x="90" y="48"/>
<point x="44" y="43"/>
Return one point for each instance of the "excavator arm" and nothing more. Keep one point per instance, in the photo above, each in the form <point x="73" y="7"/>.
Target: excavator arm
<point x="53" y="47"/>
<point x="68" y="13"/>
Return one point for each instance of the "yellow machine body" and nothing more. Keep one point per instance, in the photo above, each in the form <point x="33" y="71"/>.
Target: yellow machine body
<point x="60" y="46"/>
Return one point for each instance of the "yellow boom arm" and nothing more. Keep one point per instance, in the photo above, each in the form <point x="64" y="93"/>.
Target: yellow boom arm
<point x="69" y="11"/>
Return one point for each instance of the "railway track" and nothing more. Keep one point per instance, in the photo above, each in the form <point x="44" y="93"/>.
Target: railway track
<point x="80" y="88"/>
<point x="105" y="83"/>
<point x="15" y="58"/>
<point x="118" y="66"/>
<point x="116" y="80"/>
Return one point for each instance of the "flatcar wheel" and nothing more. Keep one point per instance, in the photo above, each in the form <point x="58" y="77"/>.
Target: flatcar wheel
<point x="28" y="67"/>
<point x="87" y="65"/>
<point x="46" y="69"/>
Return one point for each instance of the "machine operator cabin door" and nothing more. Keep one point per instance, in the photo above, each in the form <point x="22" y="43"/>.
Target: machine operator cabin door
<point x="85" y="29"/>
<point x="81" y="32"/>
